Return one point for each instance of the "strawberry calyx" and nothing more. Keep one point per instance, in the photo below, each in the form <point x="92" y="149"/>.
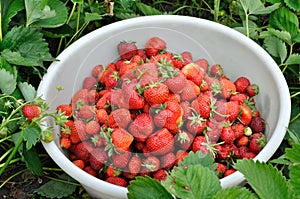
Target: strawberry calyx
<point x="183" y="137"/>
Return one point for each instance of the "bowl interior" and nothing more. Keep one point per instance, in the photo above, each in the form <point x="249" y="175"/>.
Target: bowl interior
<point x="238" y="55"/>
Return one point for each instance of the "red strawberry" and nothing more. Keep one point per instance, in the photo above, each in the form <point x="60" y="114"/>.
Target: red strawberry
<point x="249" y="155"/>
<point x="127" y="50"/>
<point x="177" y="61"/>
<point x="121" y="139"/>
<point x="111" y="79"/>
<point x="190" y="91"/>
<point x="89" y="83"/>
<point x="180" y="155"/>
<point x="202" y="63"/>
<point x="87" y="112"/>
<point x="131" y="96"/>
<point x="78" y="132"/>
<point x="66" y="128"/>
<point x="193" y="72"/>
<point x="93" y="97"/>
<point x="257" y="124"/>
<point x="98" y="158"/>
<point x="141" y="127"/>
<point x="200" y="144"/>
<point x="31" y="111"/>
<point x="92" y="127"/>
<point x="239" y="97"/>
<point x="216" y="70"/>
<point x="117" y="181"/>
<point x="154" y="45"/>
<point x="161" y="142"/>
<point x="187" y="112"/>
<point x="227" y="134"/>
<point x="195" y="123"/>
<point x="156" y="93"/>
<point x="79" y="163"/>
<point x="242" y="141"/>
<point x="160" y="175"/>
<point x="221" y="168"/>
<point x="65" y="142"/>
<point x="137" y="59"/>
<point x="104" y="100"/>
<point x="121" y="160"/>
<point x="111" y="171"/>
<point x="83" y="150"/>
<point x="186" y="57"/>
<point x="202" y="105"/>
<point x="257" y="142"/>
<point x="127" y="69"/>
<point x="79" y="98"/>
<point x="101" y="116"/>
<point x="134" y="165"/>
<point x="176" y="82"/>
<point x="167" y="161"/>
<point x="90" y="171"/>
<point x="65" y="108"/>
<point x="245" y="116"/>
<point x="96" y="70"/>
<point x="184" y="140"/>
<point x="232" y="110"/>
<point x="119" y="118"/>
<point x="252" y="90"/>
<point x="228" y="87"/>
<point x="241" y="84"/>
<point x="238" y="129"/>
<point x="151" y="163"/>
<point x="229" y="172"/>
<point x="147" y="73"/>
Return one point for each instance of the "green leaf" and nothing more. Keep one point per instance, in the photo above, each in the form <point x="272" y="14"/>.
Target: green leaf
<point x="192" y="181"/>
<point x="285" y="20"/>
<point x="9" y="8"/>
<point x="27" y="90"/>
<point x="31" y="135"/>
<point x="92" y="17"/>
<point x="256" y="7"/>
<point x="8" y="82"/>
<point x="293" y="4"/>
<point x="235" y="193"/>
<point x="5" y="65"/>
<point x="265" y="179"/>
<point x="32" y="160"/>
<point x="77" y="1"/>
<point x="293" y="59"/>
<point x="293" y="154"/>
<point x="276" y="47"/>
<point x="200" y="158"/>
<point x="62" y="31"/>
<point x="142" y="185"/>
<point x="283" y="35"/>
<point x="54" y="14"/>
<point x="147" y="10"/>
<point x="25" y="46"/>
<point x="62" y="189"/>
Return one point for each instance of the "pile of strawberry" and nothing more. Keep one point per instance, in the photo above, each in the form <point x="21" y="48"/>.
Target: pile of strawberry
<point x="145" y="112"/>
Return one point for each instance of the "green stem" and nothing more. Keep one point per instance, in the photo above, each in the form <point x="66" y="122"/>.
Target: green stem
<point x="78" y="17"/>
<point x="295" y="118"/>
<point x="13" y="153"/>
<point x="12" y="176"/>
<point x="1" y="36"/>
<point x="5" y="138"/>
<point x="295" y="94"/>
<point x="12" y="161"/>
<point x="63" y="181"/>
<point x="5" y="154"/>
<point x="216" y="10"/>
<point x="247" y="25"/>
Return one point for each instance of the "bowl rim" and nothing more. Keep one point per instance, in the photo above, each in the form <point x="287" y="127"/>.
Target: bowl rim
<point x="285" y="109"/>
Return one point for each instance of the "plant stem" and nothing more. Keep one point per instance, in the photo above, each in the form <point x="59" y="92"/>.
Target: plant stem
<point x="13" y="153"/>
<point x="216" y="10"/>
<point x="63" y="181"/>
<point x="12" y="176"/>
<point x="295" y="118"/>
<point x="1" y="36"/>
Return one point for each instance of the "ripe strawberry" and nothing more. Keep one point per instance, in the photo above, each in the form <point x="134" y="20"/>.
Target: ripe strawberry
<point x="156" y="93"/>
<point x="121" y="139"/>
<point x="177" y="61"/>
<point x="154" y="45"/>
<point x="79" y="163"/>
<point x="221" y="168"/>
<point x="219" y="110"/>
<point x="65" y="130"/>
<point x="104" y="100"/>
<point x="120" y="160"/>
<point x="119" y="118"/>
<point x="147" y="73"/>
<point x="111" y="79"/>
<point x="180" y="155"/>
<point x="200" y="144"/>
<point x="117" y="181"/>
<point x="160" y="175"/>
<point x="127" y="50"/>
<point x="239" y="97"/>
<point x="176" y="82"/>
<point x="92" y="127"/>
<point x="161" y="142"/>
<point x="111" y="171"/>
<point x="93" y="97"/>
<point x="195" y="124"/>
<point x="137" y="59"/>
<point x="190" y="91"/>
<point x="101" y="116"/>
<point x="248" y="155"/>
<point x="141" y="127"/>
<point x="257" y="142"/>
<point x="202" y="105"/>
<point x="96" y="70"/>
<point x="78" y="132"/>
<point x="238" y="129"/>
<point x="193" y="72"/>
<point x="31" y="111"/>
<point x="227" y="134"/>
<point x="216" y="70"/>
<point x="252" y="90"/>
<point x="65" y="142"/>
<point x="151" y="163"/>
<point x="187" y="112"/>
<point x="232" y="110"/>
<point x="90" y="170"/>
<point x="65" y="108"/>
<point x="202" y="63"/>
<point x="127" y="69"/>
<point x="257" y="125"/>
<point x="184" y="140"/>
<point x="229" y="172"/>
<point x="186" y="57"/>
<point x="228" y="87"/>
<point x="245" y="115"/>
<point x="242" y="141"/>
<point x="89" y="83"/>
<point x="83" y="150"/>
<point x="98" y="158"/>
<point x="241" y="84"/>
<point x="87" y="112"/>
<point x="131" y="96"/>
<point x="167" y="161"/>
<point x="134" y="165"/>
<point x="79" y="98"/>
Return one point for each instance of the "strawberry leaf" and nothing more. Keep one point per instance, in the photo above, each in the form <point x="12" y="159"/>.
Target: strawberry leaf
<point x="27" y="90"/>
<point x="62" y="189"/>
<point x="235" y="193"/>
<point x="293" y="59"/>
<point x="8" y="81"/>
<point x="292" y="4"/>
<point x="25" y="47"/>
<point x="293" y="154"/>
<point x="256" y="7"/>
<point x="265" y="179"/>
<point x="192" y="181"/>
<point x="142" y="185"/>
<point x="283" y="35"/>
<point x="200" y="158"/>
<point x="31" y="135"/>
<point x="276" y="47"/>
<point x="32" y="161"/>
